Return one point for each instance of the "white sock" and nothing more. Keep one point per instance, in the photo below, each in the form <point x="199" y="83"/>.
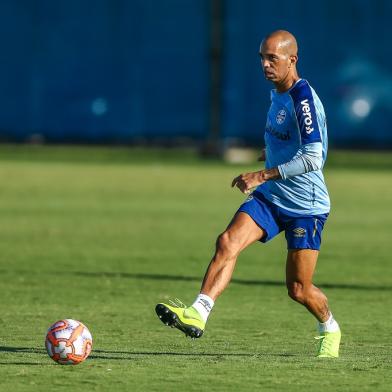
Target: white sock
<point x="329" y="326"/>
<point x="203" y="304"/>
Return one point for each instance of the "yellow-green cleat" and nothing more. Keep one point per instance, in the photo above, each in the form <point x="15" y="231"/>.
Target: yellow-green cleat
<point x="186" y="319"/>
<point x="329" y="344"/>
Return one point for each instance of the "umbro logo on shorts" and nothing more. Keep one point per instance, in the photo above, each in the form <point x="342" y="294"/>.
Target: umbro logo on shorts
<point x="299" y="232"/>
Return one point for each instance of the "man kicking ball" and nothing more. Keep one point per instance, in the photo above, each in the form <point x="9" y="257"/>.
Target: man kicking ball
<point x="290" y="195"/>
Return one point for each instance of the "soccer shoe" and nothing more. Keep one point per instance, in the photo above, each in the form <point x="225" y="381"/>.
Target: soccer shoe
<point x="329" y="344"/>
<point x="186" y="319"/>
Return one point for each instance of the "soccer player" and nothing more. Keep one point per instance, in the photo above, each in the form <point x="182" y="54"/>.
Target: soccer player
<point x="290" y="195"/>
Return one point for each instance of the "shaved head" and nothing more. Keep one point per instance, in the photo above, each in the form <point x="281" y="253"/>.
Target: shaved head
<point x="279" y="54"/>
<point x="284" y="41"/>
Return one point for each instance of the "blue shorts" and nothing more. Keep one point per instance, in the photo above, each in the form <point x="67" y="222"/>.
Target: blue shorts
<point x="301" y="231"/>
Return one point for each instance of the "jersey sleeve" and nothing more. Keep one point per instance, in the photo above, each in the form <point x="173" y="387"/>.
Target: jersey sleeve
<point x="308" y="158"/>
<point x="305" y="113"/>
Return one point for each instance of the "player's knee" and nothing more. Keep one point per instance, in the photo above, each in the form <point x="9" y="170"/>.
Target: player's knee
<point x="226" y="244"/>
<point x="295" y="290"/>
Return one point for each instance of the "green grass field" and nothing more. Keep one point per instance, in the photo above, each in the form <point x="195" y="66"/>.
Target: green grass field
<point x="102" y="235"/>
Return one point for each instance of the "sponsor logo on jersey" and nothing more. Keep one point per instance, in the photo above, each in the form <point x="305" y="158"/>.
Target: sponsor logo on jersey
<point x="277" y="134"/>
<point x="307" y="116"/>
<point x="281" y="116"/>
<point x="299" y="232"/>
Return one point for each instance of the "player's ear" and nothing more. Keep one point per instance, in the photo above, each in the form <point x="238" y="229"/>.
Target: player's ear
<point x="293" y="60"/>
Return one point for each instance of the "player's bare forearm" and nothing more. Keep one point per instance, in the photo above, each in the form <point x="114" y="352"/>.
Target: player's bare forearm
<point x="247" y="181"/>
<point x="271" y="174"/>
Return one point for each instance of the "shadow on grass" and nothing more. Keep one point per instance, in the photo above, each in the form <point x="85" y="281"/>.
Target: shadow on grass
<point x="198" y="279"/>
<point x="129" y="355"/>
<point x="22" y="350"/>
<point x="120" y="354"/>
<point x="249" y="282"/>
<point x="27" y="350"/>
<point x="126" y="356"/>
<point x="22" y="363"/>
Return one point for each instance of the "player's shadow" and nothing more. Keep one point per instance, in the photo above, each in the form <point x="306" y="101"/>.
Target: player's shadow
<point x="28" y="350"/>
<point x="129" y="355"/>
<point x="248" y="282"/>
<point x="22" y="350"/>
<point x="125" y="355"/>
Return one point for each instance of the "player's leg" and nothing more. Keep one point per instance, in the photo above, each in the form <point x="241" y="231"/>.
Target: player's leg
<point x="241" y="232"/>
<point x="300" y="267"/>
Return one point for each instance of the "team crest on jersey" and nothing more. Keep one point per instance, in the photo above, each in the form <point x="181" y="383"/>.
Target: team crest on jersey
<point x="299" y="232"/>
<point x="281" y="116"/>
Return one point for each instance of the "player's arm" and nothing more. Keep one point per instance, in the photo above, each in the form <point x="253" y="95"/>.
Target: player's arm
<point x="309" y="156"/>
<point x="263" y="156"/>
<point x="247" y="181"/>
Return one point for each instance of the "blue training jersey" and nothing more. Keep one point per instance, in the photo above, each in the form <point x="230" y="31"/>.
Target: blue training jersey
<point x="296" y="142"/>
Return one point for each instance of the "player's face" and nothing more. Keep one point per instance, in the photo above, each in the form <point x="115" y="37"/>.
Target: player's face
<point x="275" y="62"/>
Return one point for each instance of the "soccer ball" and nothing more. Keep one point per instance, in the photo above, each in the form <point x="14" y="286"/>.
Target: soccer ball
<point x="68" y="342"/>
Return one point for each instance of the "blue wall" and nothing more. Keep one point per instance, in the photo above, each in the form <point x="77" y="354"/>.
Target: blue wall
<point x="344" y="52"/>
<point x="116" y="70"/>
<point x="104" y="70"/>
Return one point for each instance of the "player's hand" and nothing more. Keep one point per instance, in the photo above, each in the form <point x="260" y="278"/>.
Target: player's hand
<point x="246" y="182"/>
<point x="262" y="156"/>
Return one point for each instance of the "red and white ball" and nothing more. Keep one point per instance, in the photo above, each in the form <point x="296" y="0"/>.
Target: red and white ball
<point x="68" y="342"/>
